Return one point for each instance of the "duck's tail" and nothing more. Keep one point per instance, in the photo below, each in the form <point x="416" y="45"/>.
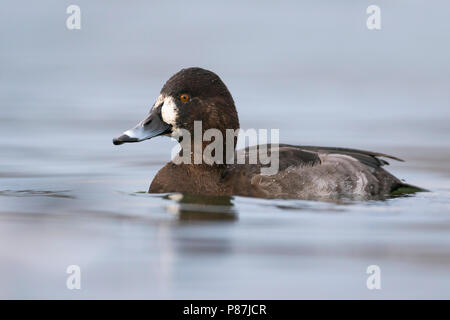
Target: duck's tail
<point x="405" y="188"/>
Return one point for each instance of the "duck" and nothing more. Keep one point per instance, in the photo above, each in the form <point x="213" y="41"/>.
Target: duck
<point x="196" y="95"/>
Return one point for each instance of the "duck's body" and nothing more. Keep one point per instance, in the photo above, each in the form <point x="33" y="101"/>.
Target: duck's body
<point x="304" y="172"/>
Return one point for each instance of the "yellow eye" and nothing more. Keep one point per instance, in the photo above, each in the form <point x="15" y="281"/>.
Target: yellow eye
<point x="185" y="97"/>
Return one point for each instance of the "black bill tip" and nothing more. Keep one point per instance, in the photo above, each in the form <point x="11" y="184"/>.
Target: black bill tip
<point x="123" y="139"/>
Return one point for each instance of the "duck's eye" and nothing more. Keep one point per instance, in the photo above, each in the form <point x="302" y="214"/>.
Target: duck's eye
<point x="184" y="97"/>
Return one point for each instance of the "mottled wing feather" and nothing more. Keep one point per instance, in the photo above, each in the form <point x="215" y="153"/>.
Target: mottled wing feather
<point x="309" y="155"/>
<point x="368" y="158"/>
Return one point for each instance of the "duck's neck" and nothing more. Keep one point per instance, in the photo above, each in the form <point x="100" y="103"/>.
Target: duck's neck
<point x="198" y="168"/>
<point x="190" y="178"/>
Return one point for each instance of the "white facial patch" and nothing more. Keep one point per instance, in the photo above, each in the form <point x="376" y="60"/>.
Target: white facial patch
<point x="159" y="100"/>
<point x="169" y="111"/>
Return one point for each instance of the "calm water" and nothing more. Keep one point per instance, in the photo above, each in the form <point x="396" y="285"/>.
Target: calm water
<point x="69" y="197"/>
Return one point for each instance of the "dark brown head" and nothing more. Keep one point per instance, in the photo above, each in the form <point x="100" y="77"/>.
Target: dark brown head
<point x="192" y="94"/>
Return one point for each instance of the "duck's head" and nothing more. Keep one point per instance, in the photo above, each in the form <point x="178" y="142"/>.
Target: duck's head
<point x="192" y="94"/>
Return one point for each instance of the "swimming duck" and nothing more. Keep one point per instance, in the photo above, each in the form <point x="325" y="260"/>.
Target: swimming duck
<point x="304" y="172"/>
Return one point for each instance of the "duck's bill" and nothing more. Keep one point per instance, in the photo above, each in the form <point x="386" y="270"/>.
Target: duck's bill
<point x="150" y="127"/>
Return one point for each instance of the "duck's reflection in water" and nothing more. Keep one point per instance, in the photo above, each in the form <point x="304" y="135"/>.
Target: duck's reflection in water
<point x="184" y="241"/>
<point x="201" y="208"/>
